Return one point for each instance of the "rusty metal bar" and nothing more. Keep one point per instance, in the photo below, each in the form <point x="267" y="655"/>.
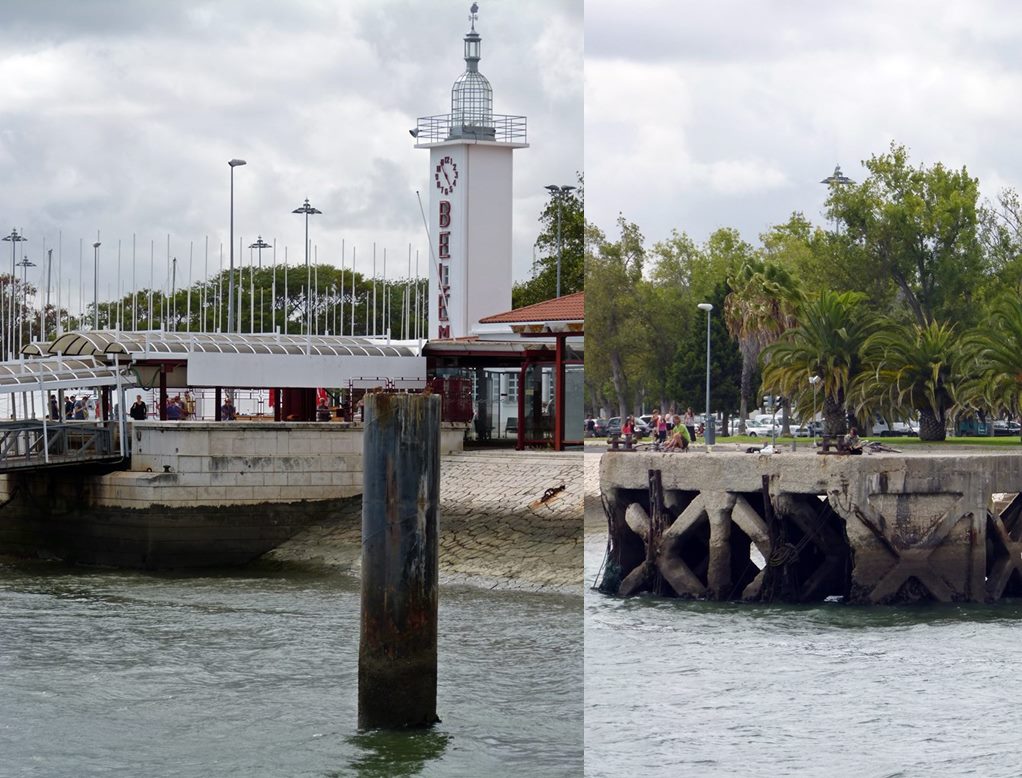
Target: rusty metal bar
<point x="397" y="660"/>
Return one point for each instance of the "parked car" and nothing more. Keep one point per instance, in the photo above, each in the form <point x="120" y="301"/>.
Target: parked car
<point x="599" y="427"/>
<point x="808" y="429"/>
<point x="1003" y="429"/>
<point x="759" y="429"/>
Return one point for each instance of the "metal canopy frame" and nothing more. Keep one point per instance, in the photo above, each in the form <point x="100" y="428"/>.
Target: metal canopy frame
<point x="142" y="345"/>
<point x="55" y="373"/>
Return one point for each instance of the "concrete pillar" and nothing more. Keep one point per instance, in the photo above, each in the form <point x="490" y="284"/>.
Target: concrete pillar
<point x="397" y="661"/>
<point x="718" y="576"/>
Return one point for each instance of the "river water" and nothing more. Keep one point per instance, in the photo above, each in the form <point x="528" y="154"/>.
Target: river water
<point x="255" y="674"/>
<point x="678" y="688"/>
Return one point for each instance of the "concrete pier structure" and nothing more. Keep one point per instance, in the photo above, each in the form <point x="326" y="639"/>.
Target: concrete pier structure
<point x="196" y="494"/>
<point x="882" y="528"/>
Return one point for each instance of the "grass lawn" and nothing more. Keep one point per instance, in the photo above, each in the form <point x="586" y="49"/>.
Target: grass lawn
<point x="1001" y="442"/>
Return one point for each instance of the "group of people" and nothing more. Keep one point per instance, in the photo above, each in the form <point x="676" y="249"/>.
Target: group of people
<point x="75" y="408"/>
<point x="671" y="431"/>
<point x="179" y="409"/>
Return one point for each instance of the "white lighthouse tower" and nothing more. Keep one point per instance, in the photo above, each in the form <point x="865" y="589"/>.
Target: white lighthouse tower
<point x="470" y="206"/>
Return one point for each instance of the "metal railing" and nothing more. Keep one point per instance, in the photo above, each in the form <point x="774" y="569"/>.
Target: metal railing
<point x="439" y="128"/>
<point x="27" y="444"/>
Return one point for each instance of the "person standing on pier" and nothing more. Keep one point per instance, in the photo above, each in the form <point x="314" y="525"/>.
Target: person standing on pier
<point x="690" y="422"/>
<point x="227" y="411"/>
<point x="138" y="410"/>
<point x="54" y="409"/>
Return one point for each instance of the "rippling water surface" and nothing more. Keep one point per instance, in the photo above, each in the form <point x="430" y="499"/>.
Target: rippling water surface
<point x="702" y="689"/>
<point x="112" y="673"/>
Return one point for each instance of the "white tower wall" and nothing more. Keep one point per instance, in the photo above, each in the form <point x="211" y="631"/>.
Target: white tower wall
<point x="470" y="223"/>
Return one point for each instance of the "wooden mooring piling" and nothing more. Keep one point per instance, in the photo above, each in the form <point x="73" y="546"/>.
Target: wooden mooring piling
<point x="397" y="662"/>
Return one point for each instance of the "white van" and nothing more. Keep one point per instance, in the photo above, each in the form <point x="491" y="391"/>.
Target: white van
<point x="882" y="429"/>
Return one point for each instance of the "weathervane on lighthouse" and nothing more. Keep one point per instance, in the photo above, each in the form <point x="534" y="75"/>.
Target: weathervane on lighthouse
<point x="470" y="207"/>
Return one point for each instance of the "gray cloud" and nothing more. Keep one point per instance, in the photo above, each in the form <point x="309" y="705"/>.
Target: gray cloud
<point x="120" y="117"/>
<point x="700" y="115"/>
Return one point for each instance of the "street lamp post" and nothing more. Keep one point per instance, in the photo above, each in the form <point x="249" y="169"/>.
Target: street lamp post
<point x="814" y="380"/>
<point x="558" y="193"/>
<point x="14" y="238"/>
<point x="307" y="209"/>
<point x="259" y="245"/>
<point x="25" y="264"/>
<point x="173" y="295"/>
<point x="95" y="285"/>
<point x="837" y="178"/>
<point x="49" y="269"/>
<point x="230" y="272"/>
<point x="709" y="432"/>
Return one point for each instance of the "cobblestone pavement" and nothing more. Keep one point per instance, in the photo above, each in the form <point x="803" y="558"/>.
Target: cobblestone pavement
<point x="496" y="530"/>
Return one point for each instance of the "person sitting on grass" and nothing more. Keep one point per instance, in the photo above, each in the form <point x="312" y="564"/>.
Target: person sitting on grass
<point x="679" y="437"/>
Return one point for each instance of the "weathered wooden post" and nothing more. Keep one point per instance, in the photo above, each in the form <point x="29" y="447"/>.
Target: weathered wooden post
<point x="397" y="659"/>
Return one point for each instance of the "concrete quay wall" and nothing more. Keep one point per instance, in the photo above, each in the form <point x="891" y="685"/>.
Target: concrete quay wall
<point x="197" y="494"/>
<point x="190" y="464"/>
<point x="802" y="527"/>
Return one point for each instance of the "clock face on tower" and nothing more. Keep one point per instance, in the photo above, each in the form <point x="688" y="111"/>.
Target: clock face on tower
<point x="446" y="175"/>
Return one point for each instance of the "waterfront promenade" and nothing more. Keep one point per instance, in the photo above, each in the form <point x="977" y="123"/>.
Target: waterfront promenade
<point x="496" y="530"/>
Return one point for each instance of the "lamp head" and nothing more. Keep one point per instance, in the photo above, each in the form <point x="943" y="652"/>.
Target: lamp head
<point x="414" y="133"/>
<point x="814" y="380"/>
<point x="236" y="162"/>
<point x="705" y="307"/>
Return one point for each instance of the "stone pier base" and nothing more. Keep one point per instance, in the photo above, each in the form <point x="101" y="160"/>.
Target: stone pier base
<point x="797" y="527"/>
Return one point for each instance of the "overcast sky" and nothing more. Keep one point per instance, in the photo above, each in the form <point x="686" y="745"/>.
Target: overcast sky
<point x="120" y="117"/>
<point x="708" y="114"/>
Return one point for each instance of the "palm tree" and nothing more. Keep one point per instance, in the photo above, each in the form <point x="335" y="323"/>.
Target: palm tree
<point x="760" y="306"/>
<point x="827" y="342"/>
<point x="997" y="382"/>
<point x="913" y="367"/>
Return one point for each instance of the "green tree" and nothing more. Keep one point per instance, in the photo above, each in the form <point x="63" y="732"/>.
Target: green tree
<point x="1001" y="237"/>
<point x="760" y="306"/>
<point x="668" y="304"/>
<point x="915" y="227"/>
<point x="687" y="374"/>
<point x="908" y="367"/>
<point x="543" y="284"/>
<point x="997" y="344"/>
<point x="614" y="319"/>
<point x="827" y="342"/>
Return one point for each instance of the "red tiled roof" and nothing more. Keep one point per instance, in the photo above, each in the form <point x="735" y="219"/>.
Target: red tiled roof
<point x="570" y="307"/>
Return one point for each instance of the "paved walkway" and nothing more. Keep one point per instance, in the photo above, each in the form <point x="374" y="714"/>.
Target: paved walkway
<point x="496" y="528"/>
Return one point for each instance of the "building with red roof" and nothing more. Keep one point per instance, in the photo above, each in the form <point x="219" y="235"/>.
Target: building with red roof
<point x="524" y="370"/>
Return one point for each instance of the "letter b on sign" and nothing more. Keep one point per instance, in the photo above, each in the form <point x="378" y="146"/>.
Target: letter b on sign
<point x="445" y="214"/>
